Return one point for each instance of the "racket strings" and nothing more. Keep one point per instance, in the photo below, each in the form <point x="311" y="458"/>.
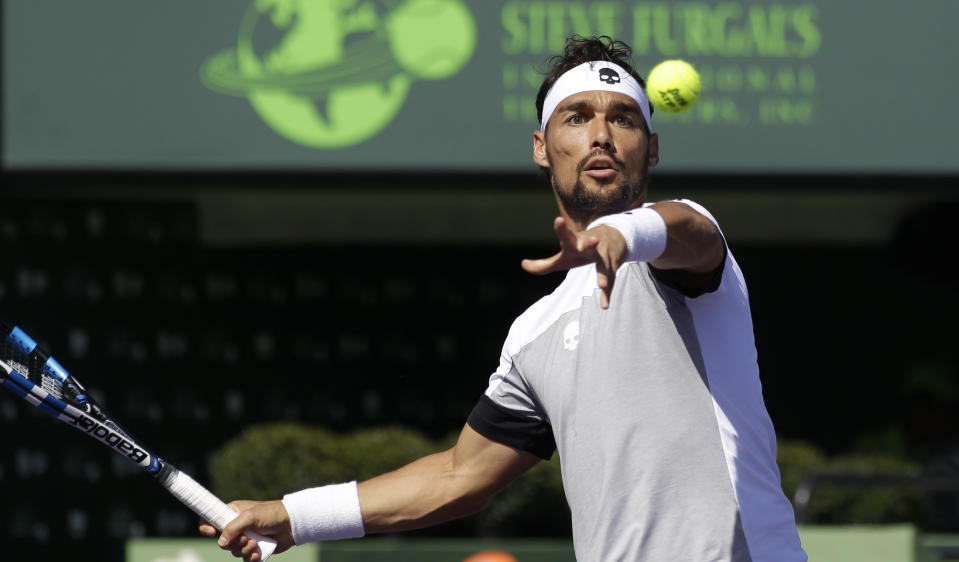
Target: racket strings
<point x="34" y="364"/>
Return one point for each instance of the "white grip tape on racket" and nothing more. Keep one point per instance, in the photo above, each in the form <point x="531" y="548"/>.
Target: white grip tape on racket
<point x="210" y="508"/>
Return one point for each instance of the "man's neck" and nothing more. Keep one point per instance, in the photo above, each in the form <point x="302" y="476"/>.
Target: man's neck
<point x="578" y="219"/>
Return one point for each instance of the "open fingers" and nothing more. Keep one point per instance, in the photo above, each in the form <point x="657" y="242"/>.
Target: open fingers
<point x="576" y="243"/>
<point x="604" y="280"/>
<point x="602" y="245"/>
<point x="607" y="263"/>
<point x="542" y="266"/>
<point x="560" y="261"/>
<point x="567" y="240"/>
<point x="575" y="249"/>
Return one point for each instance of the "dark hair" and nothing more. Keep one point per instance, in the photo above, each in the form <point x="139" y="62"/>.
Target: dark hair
<point x="584" y="49"/>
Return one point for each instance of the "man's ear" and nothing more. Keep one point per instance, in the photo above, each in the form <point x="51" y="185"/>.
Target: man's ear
<point x="653" y="150"/>
<point x="539" y="149"/>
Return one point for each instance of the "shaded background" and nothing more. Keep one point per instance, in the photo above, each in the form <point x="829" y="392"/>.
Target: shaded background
<point x="203" y="273"/>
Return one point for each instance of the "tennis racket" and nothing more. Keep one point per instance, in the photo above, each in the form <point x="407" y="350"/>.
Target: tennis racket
<point x="38" y="378"/>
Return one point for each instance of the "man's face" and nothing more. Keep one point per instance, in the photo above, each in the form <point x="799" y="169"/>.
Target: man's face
<point x="598" y="153"/>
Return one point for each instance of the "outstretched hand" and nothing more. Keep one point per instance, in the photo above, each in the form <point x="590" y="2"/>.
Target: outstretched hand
<point x="266" y="518"/>
<point x="602" y="245"/>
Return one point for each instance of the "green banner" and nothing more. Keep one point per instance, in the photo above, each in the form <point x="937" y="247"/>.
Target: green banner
<point x="807" y="86"/>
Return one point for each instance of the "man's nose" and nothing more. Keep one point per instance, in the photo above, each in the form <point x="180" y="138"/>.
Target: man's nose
<point x="599" y="134"/>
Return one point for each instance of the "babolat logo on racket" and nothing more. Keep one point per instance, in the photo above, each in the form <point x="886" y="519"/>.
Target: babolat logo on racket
<point x="111" y="438"/>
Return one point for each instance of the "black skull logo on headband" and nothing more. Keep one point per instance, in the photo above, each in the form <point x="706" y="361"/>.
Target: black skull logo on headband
<point x="609" y="75"/>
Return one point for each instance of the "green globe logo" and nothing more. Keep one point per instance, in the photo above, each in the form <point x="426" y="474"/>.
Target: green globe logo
<point x="333" y="73"/>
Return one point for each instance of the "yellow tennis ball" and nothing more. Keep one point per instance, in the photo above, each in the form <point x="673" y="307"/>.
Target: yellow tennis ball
<point x="673" y="86"/>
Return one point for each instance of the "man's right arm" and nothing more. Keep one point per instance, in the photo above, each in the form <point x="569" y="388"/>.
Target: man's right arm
<point x="443" y="486"/>
<point x="432" y="490"/>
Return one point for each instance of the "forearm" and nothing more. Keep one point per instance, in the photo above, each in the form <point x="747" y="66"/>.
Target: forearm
<point x="426" y="492"/>
<point x="431" y="490"/>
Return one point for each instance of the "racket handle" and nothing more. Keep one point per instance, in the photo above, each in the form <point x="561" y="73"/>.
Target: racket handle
<point x="208" y="506"/>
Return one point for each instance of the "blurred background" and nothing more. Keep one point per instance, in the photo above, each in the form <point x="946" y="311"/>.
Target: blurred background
<point x="298" y="224"/>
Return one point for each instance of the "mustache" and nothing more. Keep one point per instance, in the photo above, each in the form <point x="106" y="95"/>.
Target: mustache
<point x="598" y="152"/>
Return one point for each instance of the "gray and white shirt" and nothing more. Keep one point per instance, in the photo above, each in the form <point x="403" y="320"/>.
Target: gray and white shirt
<point x="655" y="407"/>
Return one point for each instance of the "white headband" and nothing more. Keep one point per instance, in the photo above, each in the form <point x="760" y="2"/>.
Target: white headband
<point x="595" y="75"/>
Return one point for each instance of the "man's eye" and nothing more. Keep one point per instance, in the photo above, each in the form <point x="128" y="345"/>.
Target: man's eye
<point x="577" y="119"/>
<point x="623" y="121"/>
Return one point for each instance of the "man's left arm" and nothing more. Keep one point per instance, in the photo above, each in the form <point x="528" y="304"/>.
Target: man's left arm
<point x="670" y="236"/>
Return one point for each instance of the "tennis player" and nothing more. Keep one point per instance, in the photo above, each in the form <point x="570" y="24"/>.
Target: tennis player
<point x="639" y="369"/>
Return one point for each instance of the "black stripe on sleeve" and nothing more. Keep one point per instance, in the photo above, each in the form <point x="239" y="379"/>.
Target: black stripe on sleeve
<point x="511" y="429"/>
<point x="690" y="284"/>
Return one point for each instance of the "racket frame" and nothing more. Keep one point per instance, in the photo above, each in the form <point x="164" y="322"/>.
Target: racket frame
<point x="180" y="484"/>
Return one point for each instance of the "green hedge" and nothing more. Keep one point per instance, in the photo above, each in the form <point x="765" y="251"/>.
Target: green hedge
<point x="267" y="461"/>
<point x="850" y="503"/>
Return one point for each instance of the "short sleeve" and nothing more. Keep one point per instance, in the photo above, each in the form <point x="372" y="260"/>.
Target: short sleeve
<point x="496" y="423"/>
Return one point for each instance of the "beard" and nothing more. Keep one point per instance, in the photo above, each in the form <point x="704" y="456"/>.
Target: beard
<point x="609" y="198"/>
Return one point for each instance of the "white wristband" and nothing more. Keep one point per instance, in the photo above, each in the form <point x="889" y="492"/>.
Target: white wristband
<point x="644" y="231"/>
<point x="326" y="513"/>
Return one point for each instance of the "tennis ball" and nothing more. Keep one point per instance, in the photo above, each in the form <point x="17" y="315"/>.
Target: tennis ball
<point x="432" y="39"/>
<point x="491" y="556"/>
<point x="673" y="86"/>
